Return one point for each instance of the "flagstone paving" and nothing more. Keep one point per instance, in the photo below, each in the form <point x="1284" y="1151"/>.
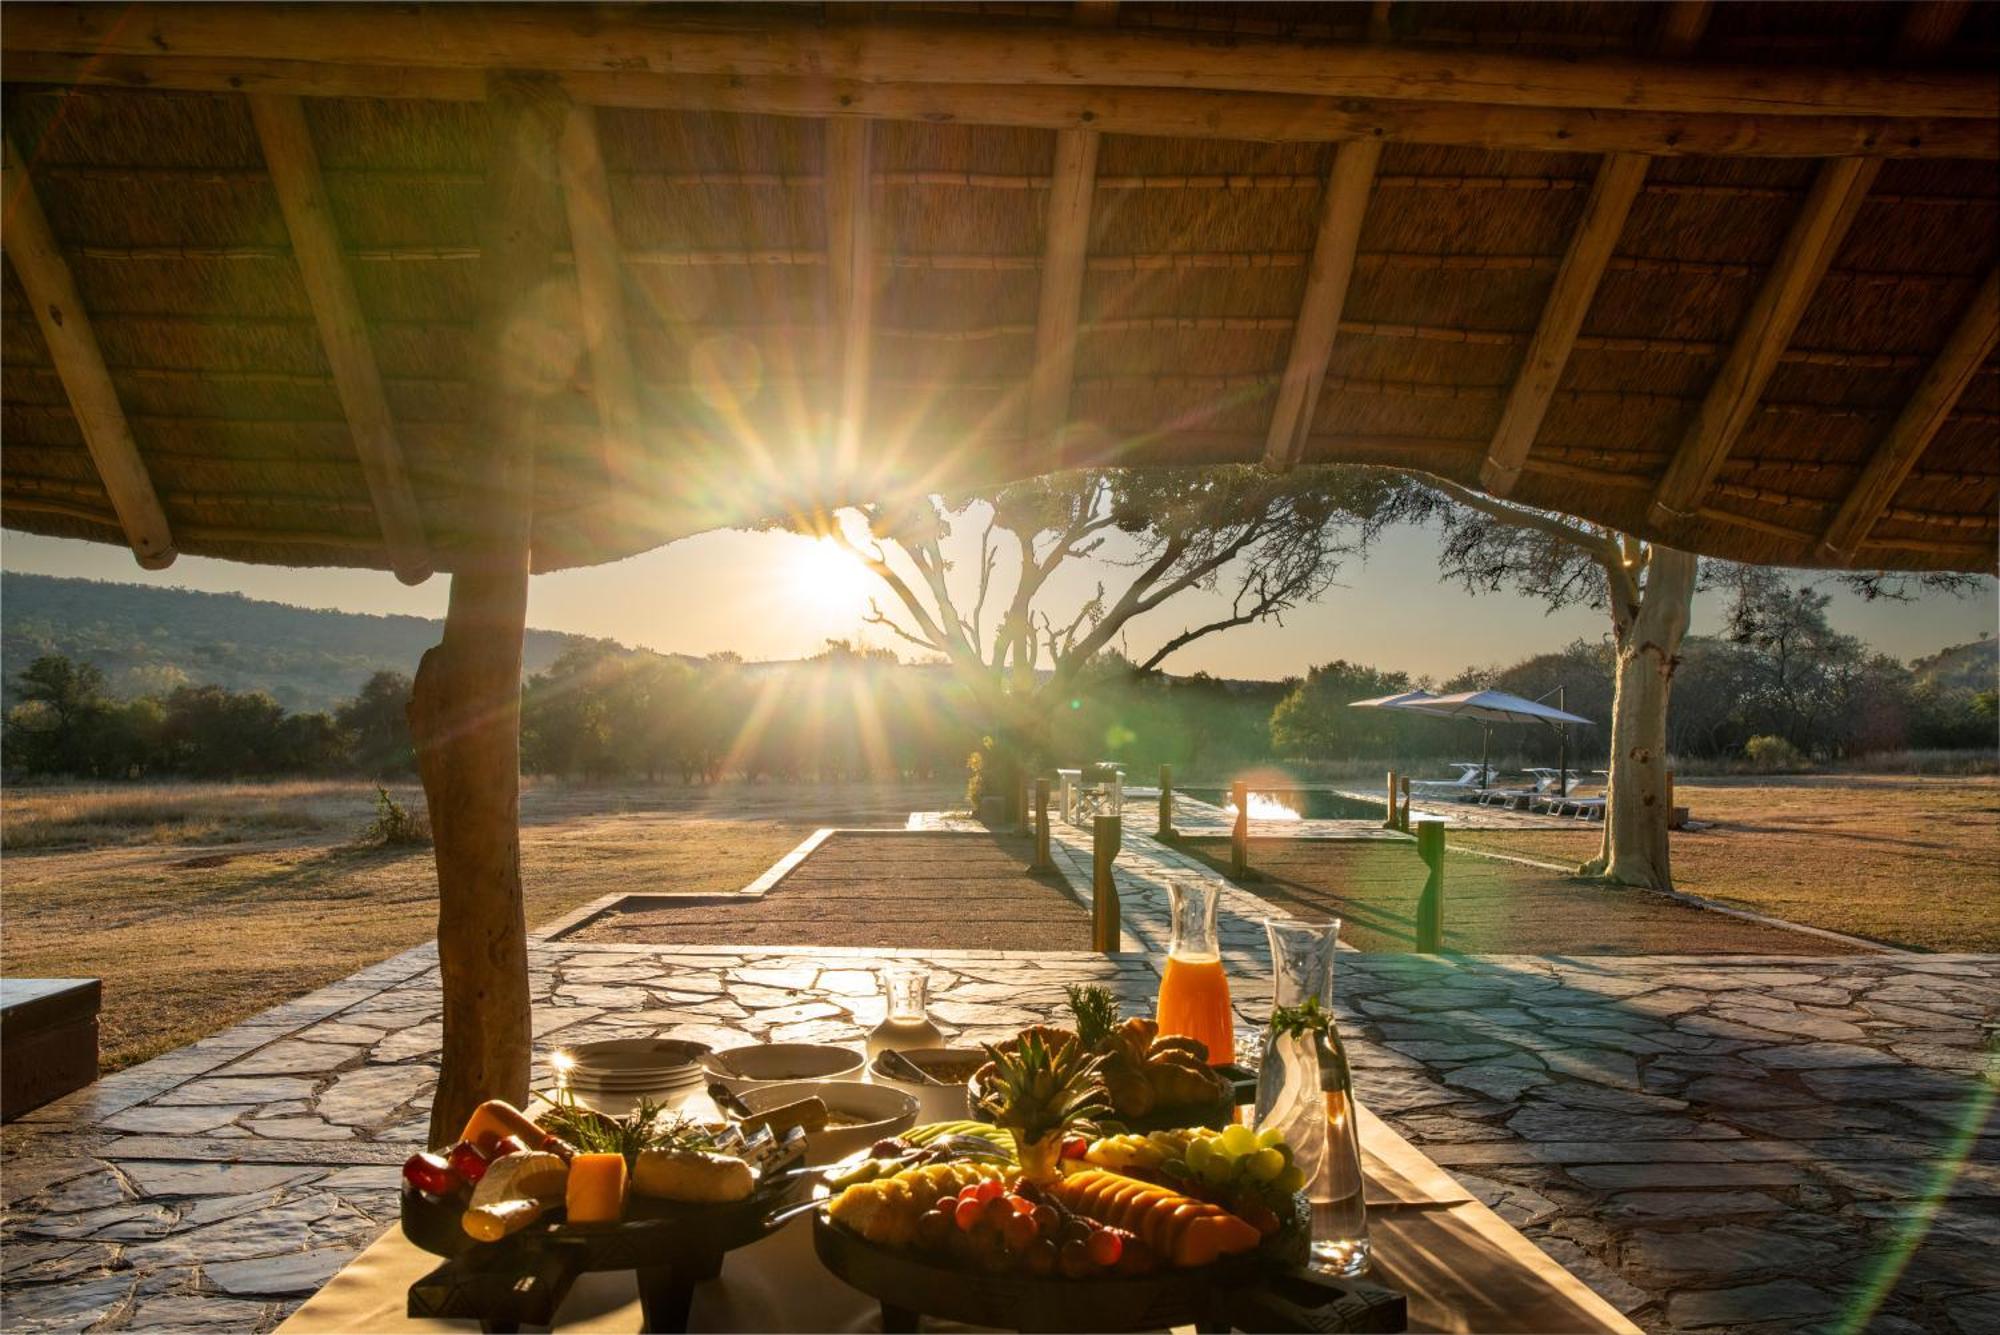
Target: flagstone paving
<point x="1715" y="1144"/>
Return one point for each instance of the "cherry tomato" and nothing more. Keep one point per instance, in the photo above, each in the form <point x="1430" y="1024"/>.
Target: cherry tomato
<point x="430" y="1172"/>
<point x="466" y="1161"/>
<point x="1104" y="1247"/>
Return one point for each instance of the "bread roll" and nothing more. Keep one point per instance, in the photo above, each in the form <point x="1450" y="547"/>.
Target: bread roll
<point x="690" y="1175"/>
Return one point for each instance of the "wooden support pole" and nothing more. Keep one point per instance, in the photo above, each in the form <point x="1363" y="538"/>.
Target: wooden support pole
<point x="1389" y="788"/>
<point x="1343" y="205"/>
<point x="1166" y="802"/>
<point x="1816" y="234"/>
<point x="850" y="246"/>
<point x="1430" y="907"/>
<point x="1047" y="58"/>
<point x="45" y="277"/>
<point x="465" y="707"/>
<point x="1105" y="930"/>
<point x="1042" y="859"/>
<point x="600" y="284"/>
<point x="1404" y="825"/>
<point x="1970" y="344"/>
<point x="293" y="162"/>
<point x="1239" y="833"/>
<point x="1619" y="178"/>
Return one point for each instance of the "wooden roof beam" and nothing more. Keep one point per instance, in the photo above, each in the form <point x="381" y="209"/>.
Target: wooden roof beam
<point x="850" y="249"/>
<point x="600" y="281"/>
<point x="1065" y="249"/>
<point x="1809" y="247"/>
<point x="45" y="276"/>
<point x="1970" y="344"/>
<point x="751" y="44"/>
<point x="1175" y="113"/>
<point x="293" y="164"/>
<point x="1619" y="179"/>
<point x="1343" y="206"/>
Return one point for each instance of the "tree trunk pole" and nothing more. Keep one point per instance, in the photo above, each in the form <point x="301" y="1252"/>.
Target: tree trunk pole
<point x="1637" y="802"/>
<point x="1166" y="802"/>
<point x="1105" y="932"/>
<point x="1389" y="820"/>
<point x="465" y="706"/>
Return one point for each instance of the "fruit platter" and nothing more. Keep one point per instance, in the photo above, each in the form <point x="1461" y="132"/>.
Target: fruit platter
<point x="523" y="1205"/>
<point x="1047" y="1216"/>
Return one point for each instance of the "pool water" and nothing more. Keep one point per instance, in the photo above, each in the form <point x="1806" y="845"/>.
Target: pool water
<point x="1306" y="803"/>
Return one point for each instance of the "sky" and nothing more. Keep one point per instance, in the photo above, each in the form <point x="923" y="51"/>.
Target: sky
<point x="775" y="596"/>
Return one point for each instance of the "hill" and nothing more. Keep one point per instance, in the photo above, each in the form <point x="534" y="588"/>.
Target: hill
<point x="148" y="640"/>
<point x="1963" y="667"/>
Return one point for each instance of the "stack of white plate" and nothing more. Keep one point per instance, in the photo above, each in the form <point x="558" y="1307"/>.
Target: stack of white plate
<point x="614" y="1075"/>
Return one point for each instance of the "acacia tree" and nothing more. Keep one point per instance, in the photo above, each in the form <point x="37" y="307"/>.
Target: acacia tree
<point x="1267" y="542"/>
<point x="1648" y="591"/>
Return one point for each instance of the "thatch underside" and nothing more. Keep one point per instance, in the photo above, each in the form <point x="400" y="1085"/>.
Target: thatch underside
<point x="1197" y="261"/>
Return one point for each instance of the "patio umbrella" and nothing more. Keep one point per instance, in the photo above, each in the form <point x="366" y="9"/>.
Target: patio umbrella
<point x="1491" y="707"/>
<point x="1395" y="701"/>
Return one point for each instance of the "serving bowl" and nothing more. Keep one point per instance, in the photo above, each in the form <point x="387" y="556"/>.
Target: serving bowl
<point x="937" y="1103"/>
<point x="868" y="1113"/>
<point x="757" y="1065"/>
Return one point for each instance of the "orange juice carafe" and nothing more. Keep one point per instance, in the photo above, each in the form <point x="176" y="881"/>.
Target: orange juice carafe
<point x="1194" y="991"/>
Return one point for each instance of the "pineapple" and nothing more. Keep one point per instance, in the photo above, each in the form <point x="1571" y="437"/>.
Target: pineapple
<point x="1038" y="1091"/>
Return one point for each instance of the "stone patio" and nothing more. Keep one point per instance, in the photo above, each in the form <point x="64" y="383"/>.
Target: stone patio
<point x="1714" y="1144"/>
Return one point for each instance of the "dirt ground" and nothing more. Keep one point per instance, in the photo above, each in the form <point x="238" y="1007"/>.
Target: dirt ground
<point x="902" y="891"/>
<point x="1906" y="860"/>
<point x="1491" y="907"/>
<point x="201" y="904"/>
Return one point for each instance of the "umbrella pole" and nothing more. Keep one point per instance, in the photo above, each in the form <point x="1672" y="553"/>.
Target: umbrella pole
<point x="1485" y="750"/>
<point x="1562" y="747"/>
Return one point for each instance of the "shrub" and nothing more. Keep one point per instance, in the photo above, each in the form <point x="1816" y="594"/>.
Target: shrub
<point x="1772" y="754"/>
<point x="395" y="825"/>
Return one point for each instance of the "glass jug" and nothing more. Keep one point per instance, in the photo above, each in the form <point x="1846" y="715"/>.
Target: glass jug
<point x="906" y="1025"/>
<point x="1194" y="990"/>
<point x="1305" y="1090"/>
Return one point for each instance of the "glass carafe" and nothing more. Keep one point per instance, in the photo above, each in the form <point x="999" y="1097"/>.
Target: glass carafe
<point x="906" y="1024"/>
<point x="1194" y="990"/>
<point x="1304" y="1089"/>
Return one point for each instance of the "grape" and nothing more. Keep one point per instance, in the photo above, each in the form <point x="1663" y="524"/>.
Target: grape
<point x="1199" y="1151"/>
<point x="967" y="1214"/>
<point x="1104" y="1247"/>
<point x="934" y="1228"/>
<point x="1074" y="1259"/>
<point x="1291" y="1180"/>
<point x="1041" y="1257"/>
<point x="989" y="1189"/>
<point x="1270" y="1138"/>
<point x="1217" y="1171"/>
<point x="1020" y="1232"/>
<point x="1047" y="1220"/>
<point x="1077" y="1231"/>
<point x="1265" y="1165"/>
<point x="1238" y="1140"/>
<point x="1022" y="1205"/>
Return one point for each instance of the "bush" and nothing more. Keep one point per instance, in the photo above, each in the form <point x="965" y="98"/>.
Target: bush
<point x="1771" y="755"/>
<point x="395" y="825"/>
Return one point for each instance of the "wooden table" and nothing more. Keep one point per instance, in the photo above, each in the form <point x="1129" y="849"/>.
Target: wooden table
<point x="1463" y="1267"/>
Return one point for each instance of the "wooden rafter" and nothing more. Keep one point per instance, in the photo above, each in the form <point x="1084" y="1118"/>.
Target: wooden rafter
<point x="1732" y="397"/>
<point x="600" y="283"/>
<point x="1970" y="344"/>
<point x="748" y="44"/>
<point x="1830" y="209"/>
<point x="45" y="276"/>
<point x="1619" y="179"/>
<point x="293" y="164"/>
<point x="1065" y="248"/>
<point x="1175" y="113"/>
<point x="1342" y="208"/>
<point x="850" y="250"/>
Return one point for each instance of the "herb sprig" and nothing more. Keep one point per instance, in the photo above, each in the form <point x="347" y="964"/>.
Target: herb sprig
<point x="1305" y="1018"/>
<point x="597" y="1133"/>
<point x="1096" y="1012"/>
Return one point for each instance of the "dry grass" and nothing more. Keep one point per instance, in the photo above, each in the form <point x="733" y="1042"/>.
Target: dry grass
<point x="193" y="932"/>
<point x="1905" y="860"/>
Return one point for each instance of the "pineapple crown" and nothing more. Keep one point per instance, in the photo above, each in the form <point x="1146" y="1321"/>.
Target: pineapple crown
<point x="1040" y="1088"/>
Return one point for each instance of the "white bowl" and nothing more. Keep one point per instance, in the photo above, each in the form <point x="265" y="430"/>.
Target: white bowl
<point x="760" y="1064"/>
<point x="884" y="1112"/>
<point x="935" y="1103"/>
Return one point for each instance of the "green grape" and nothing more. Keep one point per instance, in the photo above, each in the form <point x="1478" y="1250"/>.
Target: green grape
<point x="1291" y="1180"/>
<point x="1238" y="1140"/>
<point x="1265" y="1165"/>
<point x="1199" y="1153"/>
<point x="1270" y="1138"/>
<point x="1216" y="1171"/>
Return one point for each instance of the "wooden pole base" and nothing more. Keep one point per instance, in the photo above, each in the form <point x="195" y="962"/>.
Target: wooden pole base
<point x="1239" y="833"/>
<point x="1430" y="908"/>
<point x="1105" y="930"/>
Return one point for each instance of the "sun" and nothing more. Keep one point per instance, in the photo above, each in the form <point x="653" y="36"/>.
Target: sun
<point x="827" y="575"/>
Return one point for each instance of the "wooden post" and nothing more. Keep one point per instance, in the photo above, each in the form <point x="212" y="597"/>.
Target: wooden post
<point x="1104" y="930"/>
<point x="1404" y="824"/>
<point x="1042" y="860"/>
<point x="1239" y="834"/>
<point x="1430" y="908"/>
<point x="465" y="707"/>
<point x="1389" y="821"/>
<point x="1166" y="802"/>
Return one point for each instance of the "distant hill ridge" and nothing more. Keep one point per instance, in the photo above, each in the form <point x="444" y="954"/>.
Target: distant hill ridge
<point x="1969" y="667"/>
<point x="144" y="639"/>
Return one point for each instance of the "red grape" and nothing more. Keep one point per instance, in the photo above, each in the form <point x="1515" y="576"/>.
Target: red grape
<point x="1047" y="1220"/>
<point x="934" y="1228"/>
<point x="998" y="1211"/>
<point x="1076" y="1230"/>
<point x="1104" y="1247"/>
<point x="1019" y="1230"/>
<point x="989" y="1189"/>
<point x="1074" y="1259"/>
<point x="968" y="1214"/>
<point x="1022" y="1205"/>
<point x="1041" y="1257"/>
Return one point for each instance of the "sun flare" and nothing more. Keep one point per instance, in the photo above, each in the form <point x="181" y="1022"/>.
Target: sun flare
<point x="826" y="575"/>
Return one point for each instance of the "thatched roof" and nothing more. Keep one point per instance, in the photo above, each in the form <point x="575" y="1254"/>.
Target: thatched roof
<point x="1760" y="321"/>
